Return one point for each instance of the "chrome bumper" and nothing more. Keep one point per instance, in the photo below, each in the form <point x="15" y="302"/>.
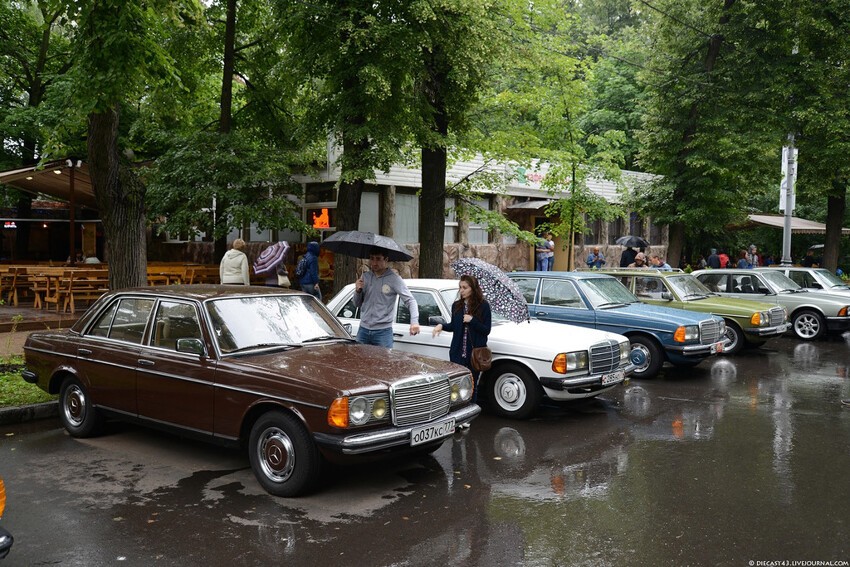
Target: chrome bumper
<point x="376" y="440"/>
<point x="768" y="331"/>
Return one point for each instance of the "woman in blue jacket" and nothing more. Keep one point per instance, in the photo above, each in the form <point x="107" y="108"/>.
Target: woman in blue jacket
<point x="470" y="323"/>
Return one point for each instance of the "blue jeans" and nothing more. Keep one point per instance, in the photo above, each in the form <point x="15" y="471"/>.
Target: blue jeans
<point x="378" y="337"/>
<point x="542" y="264"/>
<point x="312" y="290"/>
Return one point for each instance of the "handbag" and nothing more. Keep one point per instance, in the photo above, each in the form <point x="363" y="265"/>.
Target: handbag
<point x="482" y="359"/>
<point x="283" y="280"/>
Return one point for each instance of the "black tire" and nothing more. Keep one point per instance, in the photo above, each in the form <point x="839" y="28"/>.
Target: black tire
<point x="513" y="391"/>
<point x="283" y="456"/>
<point x="654" y="357"/>
<point x="808" y="325"/>
<point x="77" y="414"/>
<point x="736" y="335"/>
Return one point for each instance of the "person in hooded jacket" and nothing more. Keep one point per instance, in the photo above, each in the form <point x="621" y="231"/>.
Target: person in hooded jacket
<point x="310" y="280"/>
<point x="233" y="269"/>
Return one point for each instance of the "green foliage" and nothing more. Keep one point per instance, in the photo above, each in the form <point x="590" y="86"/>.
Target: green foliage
<point x="14" y="391"/>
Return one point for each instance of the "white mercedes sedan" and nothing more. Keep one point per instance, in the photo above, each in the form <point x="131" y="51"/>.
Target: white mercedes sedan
<point x="530" y="360"/>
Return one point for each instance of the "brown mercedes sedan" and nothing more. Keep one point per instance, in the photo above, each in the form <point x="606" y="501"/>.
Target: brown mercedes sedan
<point x="271" y="370"/>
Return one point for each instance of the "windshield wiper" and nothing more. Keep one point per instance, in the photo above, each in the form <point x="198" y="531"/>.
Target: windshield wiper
<point x="699" y="295"/>
<point x="325" y="338"/>
<point x="610" y="304"/>
<point x="263" y="345"/>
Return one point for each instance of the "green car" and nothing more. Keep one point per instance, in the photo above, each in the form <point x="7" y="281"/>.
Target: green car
<point x="748" y="323"/>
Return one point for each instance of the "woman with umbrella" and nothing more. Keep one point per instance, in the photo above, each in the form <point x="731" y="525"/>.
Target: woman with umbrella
<point x="470" y="323"/>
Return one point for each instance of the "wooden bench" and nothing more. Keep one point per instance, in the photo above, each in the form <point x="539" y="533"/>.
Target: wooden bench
<point x="81" y="285"/>
<point x="167" y="274"/>
<point x="202" y="274"/>
<point x="43" y="285"/>
<point x="13" y="281"/>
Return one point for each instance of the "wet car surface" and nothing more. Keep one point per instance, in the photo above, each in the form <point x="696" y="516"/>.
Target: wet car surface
<point x="739" y="459"/>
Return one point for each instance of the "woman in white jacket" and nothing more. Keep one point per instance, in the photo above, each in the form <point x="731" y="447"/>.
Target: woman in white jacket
<point x="234" y="265"/>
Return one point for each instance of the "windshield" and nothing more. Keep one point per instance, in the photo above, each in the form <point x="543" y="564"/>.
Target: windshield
<point x="687" y="285"/>
<point x="602" y="292"/>
<point x="829" y="279"/>
<point x="240" y="323"/>
<point x="780" y="282"/>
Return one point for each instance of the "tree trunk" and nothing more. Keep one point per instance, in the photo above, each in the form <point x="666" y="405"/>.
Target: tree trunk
<point x="836" y="204"/>
<point x="225" y="116"/>
<point x="347" y="218"/>
<point x="676" y="243"/>
<point x="432" y="207"/>
<point x="120" y="200"/>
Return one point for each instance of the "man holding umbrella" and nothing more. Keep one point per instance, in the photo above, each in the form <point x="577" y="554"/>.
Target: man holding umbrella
<point x="375" y="294"/>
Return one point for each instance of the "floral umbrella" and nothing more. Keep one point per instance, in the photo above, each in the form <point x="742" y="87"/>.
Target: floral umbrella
<point x="502" y="293"/>
<point x="270" y="258"/>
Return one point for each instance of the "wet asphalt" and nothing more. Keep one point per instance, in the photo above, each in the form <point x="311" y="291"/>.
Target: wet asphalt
<point x="737" y="461"/>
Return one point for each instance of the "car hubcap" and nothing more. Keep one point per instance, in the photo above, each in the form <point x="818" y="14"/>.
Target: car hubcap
<point x="75" y="405"/>
<point x="277" y="455"/>
<point x="733" y="339"/>
<point x="510" y="392"/>
<point x="646" y="357"/>
<point x="807" y="326"/>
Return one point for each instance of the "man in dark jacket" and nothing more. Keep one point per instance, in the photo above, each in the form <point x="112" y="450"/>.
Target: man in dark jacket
<point x="310" y="280"/>
<point x="713" y="260"/>
<point x="627" y="257"/>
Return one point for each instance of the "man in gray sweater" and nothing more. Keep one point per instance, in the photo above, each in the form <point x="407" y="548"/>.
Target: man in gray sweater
<point x="375" y="293"/>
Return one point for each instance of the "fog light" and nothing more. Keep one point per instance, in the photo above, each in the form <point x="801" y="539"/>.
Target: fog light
<point x="379" y="408"/>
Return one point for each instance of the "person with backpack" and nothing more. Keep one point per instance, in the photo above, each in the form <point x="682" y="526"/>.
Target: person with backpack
<point x="307" y="271"/>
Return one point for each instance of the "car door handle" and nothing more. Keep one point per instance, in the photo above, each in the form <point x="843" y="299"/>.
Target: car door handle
<point x="398" y="334"/>
<point x="83" y="351"/>
<point x="145" y="362"/>
<point x="539" y="313"/>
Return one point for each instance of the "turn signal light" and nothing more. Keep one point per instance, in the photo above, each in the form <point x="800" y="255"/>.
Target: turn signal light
<point x="679" y="335"/>
<point x="559" y="365"/>
<point x="2" y="497"/>
<point x="338" y="413"/>
<point x="842" y="312"/>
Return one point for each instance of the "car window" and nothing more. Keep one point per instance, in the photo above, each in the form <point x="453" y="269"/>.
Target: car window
<point x="130" y="320"/>
<point x="745" y="283"/>
<point x="349" y="310"/>
<point x="802" y="279"/>
<point x="561" y="293"/>
<point x="528" y="286"/>
<point x="428" y="307"/>
<point x="648" y="287"/>
<point x="174" y="321"/>
<point x="101" y="326"/>
<point x="714" y="282"/>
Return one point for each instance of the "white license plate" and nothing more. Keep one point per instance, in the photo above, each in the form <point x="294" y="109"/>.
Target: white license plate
<point x="717" y="347"/>
<point x="432" y="432"/>
<point x="613" y="378"/>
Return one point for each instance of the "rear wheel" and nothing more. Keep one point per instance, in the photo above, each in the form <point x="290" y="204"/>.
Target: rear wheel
<point x="283" y="456"/>
<point x="514" y="391"/>
<point x="654" y="358"/>
<point x="808" y="325"/>
<point x="736" y="338"/>
<point x="76" y="411"/>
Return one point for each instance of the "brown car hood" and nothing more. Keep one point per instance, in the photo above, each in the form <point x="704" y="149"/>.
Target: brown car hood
<point x="344" y="366"/>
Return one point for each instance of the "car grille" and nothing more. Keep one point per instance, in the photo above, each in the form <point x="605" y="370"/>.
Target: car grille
<point x="604" y="357"/>
<point x="709" y="332"/>
<point x="777" y="316"/>
<point x="420" y="399"/>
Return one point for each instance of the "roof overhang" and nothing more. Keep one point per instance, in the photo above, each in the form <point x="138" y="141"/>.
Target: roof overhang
<point x="798" y="225"/>
<point x="54" y="179"/>
<point x="535" y="205"/>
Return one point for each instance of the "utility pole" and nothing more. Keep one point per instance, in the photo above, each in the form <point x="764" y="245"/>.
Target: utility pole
<point x="786" y="196"/>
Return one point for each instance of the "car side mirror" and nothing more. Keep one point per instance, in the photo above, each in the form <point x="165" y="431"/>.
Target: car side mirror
<point x="194" y="346"/>
<point x="667" y="296"/>
<point x="435" y="320"/>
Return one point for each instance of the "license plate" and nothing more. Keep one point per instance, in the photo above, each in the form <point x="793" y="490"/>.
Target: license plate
<point x="613" y="378"/>
<point x="427" y="433"/>
<point x="717" y="347"/>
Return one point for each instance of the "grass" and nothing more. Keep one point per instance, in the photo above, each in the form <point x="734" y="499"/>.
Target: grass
<point x="13" y="390"/>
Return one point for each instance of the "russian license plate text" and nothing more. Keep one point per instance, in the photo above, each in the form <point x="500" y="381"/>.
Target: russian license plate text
<point x="427" y="433"/>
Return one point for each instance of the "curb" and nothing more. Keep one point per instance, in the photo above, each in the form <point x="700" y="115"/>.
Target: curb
<point x="22" y="414"/>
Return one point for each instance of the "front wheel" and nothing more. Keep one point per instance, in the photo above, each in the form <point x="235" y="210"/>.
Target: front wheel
<point x="514" y="391"/>
<point x="77" y="414"/>
<point x="654" y="360"/>
<point x="808" y="325"/>
<point x="283" y="456"/>
<point x="736" y="338"/>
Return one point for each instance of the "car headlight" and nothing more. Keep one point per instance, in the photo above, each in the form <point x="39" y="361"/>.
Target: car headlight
<point x="760" y="319"/>
<point x="625" y="351"/>
<point x="461" y="389"/>
<point x="379" y="408"/>
<point x="358" y="410"/>
<point x="570" y="362"/>
<point x="687" y="333"/>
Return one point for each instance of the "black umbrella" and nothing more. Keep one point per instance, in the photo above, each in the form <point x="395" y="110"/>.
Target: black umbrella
<point x="632" y="241"/>
<point x="361" y="244"/>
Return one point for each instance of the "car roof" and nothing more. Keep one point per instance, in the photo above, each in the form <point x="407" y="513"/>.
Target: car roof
<point x="202" y="292"/>
<point x="574" y="274"/>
